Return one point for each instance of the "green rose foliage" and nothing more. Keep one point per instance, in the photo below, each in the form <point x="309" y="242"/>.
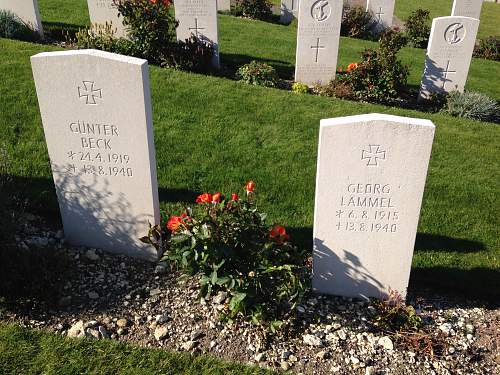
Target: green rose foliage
<point x="380" y="76"/>
<point x="230" y="246"/>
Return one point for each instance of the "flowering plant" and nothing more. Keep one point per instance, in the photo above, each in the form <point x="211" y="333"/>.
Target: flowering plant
<point x="226" y="241"/>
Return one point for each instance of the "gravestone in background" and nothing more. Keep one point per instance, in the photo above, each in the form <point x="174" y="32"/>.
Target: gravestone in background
<point x="318" y="37"/>
<point x="289" y="10"/>
<point x="382" y="12"/>
<point x="467" y="8"/>
<point x="102" y="12"/>
<point x="224" y="5"/>
<point x="198" y="18"/>
<point x="369" y="185"/>
<point x="449" y="54"/>
<point x="96" y="114"/>
<point x="27" y="11"/>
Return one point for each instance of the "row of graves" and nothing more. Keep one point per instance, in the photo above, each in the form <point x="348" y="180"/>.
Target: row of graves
<point x="447" y="62"/>
<point x="371" y="168"/>
<point x="371" y="173"/>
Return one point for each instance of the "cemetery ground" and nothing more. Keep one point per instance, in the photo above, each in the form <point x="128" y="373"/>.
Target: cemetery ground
<point x="213" y="134"/>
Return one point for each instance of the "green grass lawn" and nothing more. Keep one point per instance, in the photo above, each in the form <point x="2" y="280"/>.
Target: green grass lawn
<point x="24" y="351"/>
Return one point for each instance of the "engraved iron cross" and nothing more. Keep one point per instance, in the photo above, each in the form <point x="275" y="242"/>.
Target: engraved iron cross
<point x="373" y="155"/>
<point x="89" y="93"/>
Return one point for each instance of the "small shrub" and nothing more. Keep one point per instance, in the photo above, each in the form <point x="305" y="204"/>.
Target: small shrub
<point x="300" y="88"/>
<point x="395" y="316"/>
<point x="257" y="73"/>
<point x="256" y="9"/>
<point x="355" y="22"/>
<point x="102" y="37"/>
<point x="12" y="27"/>
<point x="192" y="54"/>
<point x="488" y="48"/>
<point x="380" y="76"/>
<point x="227" y="242"/>
<point x="337" y="89"/>
<point x="473" y="105"/>
<point x="418" y="28"/>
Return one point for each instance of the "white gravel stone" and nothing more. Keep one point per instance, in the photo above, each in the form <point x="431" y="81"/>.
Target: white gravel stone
<point x="312" y="340"/>
<point x="161" y="333"/>
<point x="386" y="343"/>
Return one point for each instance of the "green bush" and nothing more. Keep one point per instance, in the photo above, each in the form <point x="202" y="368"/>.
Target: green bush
<point x="380" y="76"/>
<point x="488" y="48"/>
<point x="227" y="242"/>
<point x="418" y="29"/>
<point x="257" y="73"/>
<point x="12" y="27"/>
<point x="150" y="25"/>
<point x="300" y="88"/>
<point x="473" y="105"/>
<point x="102" y="37"/>
<point x="256" y="9"/>
<point x="355" y="22"/>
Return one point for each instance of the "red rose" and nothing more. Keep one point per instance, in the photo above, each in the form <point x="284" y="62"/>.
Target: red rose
<point x="174" y="223"/>
<point x="250" y="186"/>
<point x="204" y="198"/>
<point x="216" y="198"/>
<point x="278" y="234"/>
<point x="234" y="197"/>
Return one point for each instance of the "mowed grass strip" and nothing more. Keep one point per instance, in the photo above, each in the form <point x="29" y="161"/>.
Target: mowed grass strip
<point x="26" y="351"/>
<point x="213" y="134"/>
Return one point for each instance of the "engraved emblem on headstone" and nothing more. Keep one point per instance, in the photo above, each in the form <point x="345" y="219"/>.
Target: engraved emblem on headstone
<point x="379" y="15"/>
<point x="89" y="92"/>
<point x="196" y="28"/>
<point x="321" y="10"/>
<point x="373" y="155"/>
<point x="454" y="33"/>
<point x="317" y="47"/>
<point x="446" y="72"/>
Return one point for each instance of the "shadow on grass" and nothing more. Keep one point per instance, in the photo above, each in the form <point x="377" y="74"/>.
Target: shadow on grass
<point x="478" y="284"/>
<point x="60" y="31"/>
<point x="233" y="61"/>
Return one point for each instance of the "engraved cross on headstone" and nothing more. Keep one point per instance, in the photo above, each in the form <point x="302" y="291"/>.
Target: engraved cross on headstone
<point x="446" y="72"/>
<point x="373" y="155"/>
<point x="89" y="93"/>
<point x="196" y="28"/>
<point x="317" y="47"/>
<point x="379" y="14"/>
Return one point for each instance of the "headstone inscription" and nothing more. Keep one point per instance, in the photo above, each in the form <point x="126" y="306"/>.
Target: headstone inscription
<point x="198" y="18"/>
<point x="288" y="10"/>
<point x="96" y="114"/>
<point x="467" y="8"/>
<point x="318" y="38"/>
<point x="27" y="11"/>
<point x="224" y="5"/>
<point x="382" y="12"/>
<point x="369" y="185"/>
<point x="449" y="55"/>
<point x="105" y="12"/>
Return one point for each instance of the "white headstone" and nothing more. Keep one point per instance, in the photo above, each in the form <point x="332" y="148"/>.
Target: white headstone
<point x="224" y="5"/>
<point x="198" y="18"/>
<point x="27" y="11"/>
<point x="318" y="37"/>
<point x="289" y="10"/>
<point x="467" y="8"/>
<point x="449" y="54"/>
<point x="382" y="12"/>
<point x="369" y="185"/>
<point x="104" y="11"/>
<point x="96" y="114"/>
